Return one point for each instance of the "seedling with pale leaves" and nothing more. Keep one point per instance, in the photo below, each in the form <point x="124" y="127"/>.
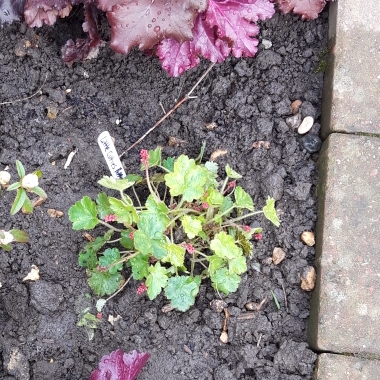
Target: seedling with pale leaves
<point x="188" y="229"/>
<point x="27" y="183"/>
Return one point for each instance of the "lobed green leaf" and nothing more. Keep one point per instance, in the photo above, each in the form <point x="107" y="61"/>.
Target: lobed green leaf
<point x="270" y="212"/>
<point x="224" y="246"/>
<point x="175" y="255"/>
<point x="243" y="199"/>
<point x="225" y="282"/>
<point x="127" y="214"/>
<point x="88" y="258"/>
<point x="169" y="164"/>
<point x="231" y="173"/>
<point x="187" y="179"/>
<point x="182" y="290"/>
<point x="156" y="280"/>
<point x="103" y="205"/>
<point x="104" y="282"/>
<point x="139" y="265"/>
<point x="83" y="214"/>
<point x="109" y="257"/>
<point x="191" y="225"/>
<point x="116" y="184"/>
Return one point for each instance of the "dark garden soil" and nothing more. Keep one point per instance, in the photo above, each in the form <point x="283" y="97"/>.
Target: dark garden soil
<point x="248" y="100"/>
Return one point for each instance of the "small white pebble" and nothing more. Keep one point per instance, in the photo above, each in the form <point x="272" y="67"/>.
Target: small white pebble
<point x="68" y="90"/>
<point x="118" y="121"/>
<point x="266" y="43"/>
<point x="306" y="125"/>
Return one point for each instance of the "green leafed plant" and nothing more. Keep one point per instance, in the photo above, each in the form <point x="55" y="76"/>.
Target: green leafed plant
<point x="27" y="183"/>
<point x="189" y="228"/>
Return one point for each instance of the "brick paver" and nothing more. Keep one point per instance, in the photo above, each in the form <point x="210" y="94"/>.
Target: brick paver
<point x="345" y="308"/>
<point x="352" y="81"/>
<point x="340" y="367"/>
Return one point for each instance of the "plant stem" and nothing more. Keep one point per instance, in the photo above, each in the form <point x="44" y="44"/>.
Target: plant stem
<point x="155" y="196"/>
<point x="109" y="226"/>
<point x="232" y="221"/>
<point x="137" y="198"/>
<point x="120" y="289"/>
<point x="224" y="185"/>
<point x="222" y="214"/>
<point x="113" y="241"/>
<point x="184" y="210"/>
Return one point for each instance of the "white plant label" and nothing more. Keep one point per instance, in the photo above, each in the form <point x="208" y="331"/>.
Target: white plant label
<point x="109" y="152"/>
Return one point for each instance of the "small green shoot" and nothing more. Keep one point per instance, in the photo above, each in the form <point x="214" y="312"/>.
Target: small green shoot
<point x="275" y="300"/>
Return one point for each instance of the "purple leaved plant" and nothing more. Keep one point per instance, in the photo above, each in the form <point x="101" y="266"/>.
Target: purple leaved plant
<point x="180" y="31"/>
<point x="120" y="366"/>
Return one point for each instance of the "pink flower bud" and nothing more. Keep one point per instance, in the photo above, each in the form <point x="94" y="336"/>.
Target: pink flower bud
<point x="132" y="235"/>
<point x="142" y="288"/>
<point x="205" y="205"/>
<point x="246" y="228"/>
<point x="110" y="218"/>
<point x="144" y="156"/>
<point x="257" y="236"/>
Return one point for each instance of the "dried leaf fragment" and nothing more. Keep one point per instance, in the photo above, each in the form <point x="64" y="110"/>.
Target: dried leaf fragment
<point x="112" y="319"/>
<point x="52" y="111"/>
<point x="308" y="277"/>
<point x="254" y="306"/>
<point x="175" y="141"/>
<point x="278" y="255"/>
<point x="217" y="153"/>
<point x="88" y="237"/>
<point x="54" y="213"/>
<point x="38" y="201"/>
<point x="211" y="126"/>
<point x="33" y="275"/>
<point x="259" y="144"/>
<point x="167" y="308"/>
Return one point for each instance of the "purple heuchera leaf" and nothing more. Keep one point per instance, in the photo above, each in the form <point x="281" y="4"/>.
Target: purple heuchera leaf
<point x="86" y="48"/>
<point x="226" y="26"/>
<point x="119" y="366"/>
<point x="309" y="9"/>
<point x="144" y="23"/>
<point x="38" y="12"/>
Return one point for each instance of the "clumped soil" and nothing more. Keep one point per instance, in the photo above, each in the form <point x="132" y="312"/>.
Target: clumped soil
<point x="248" y="100"/>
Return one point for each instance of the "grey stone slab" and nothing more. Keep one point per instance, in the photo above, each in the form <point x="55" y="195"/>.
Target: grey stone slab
<point x="345" y="307"/>
<point x="352" y="79"/>
<point x="340" y="367"/>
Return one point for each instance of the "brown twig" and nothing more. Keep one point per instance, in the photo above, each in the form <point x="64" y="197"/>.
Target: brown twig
<point x="28" y="97"/>
<point x="286" y="300"/>
<point x="187" y="96"/>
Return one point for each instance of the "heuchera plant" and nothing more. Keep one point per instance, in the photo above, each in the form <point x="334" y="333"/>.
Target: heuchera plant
<point x="120" y="366"/>
<point x="27" y="183"/>
<point x="182" y="31"/>
<point x="189" y="228"/>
